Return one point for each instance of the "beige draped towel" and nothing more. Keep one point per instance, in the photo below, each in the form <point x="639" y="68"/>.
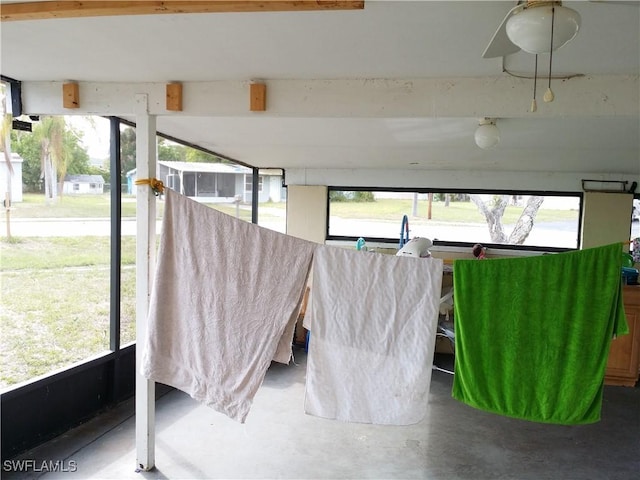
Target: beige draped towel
<point x="226" y="294"/>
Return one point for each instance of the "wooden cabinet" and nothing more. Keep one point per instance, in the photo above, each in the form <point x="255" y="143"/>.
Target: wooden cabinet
<point x="623" y="366"/>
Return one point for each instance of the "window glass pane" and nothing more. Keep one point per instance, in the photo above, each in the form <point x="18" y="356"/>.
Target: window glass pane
<point x="128" y="237"/>
<point x="206" y="178"/>
<point x="524" y="219"/>
<point x="55" y="251"/>
<point x="203" y="177"/>
<point x="272" y="206"/>
<point x="635" y="217"/>
<point x="635" y="229"/>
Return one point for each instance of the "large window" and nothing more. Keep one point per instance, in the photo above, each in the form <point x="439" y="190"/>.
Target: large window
<point x="635" y="225"/>
<point x="56" y="250"/>
<point x="508" y="219"/>
<point x="635" y="217"/>
<point x="248" y="183"/>
<point x="67" y="280"/>
<point x="272" y="201"/>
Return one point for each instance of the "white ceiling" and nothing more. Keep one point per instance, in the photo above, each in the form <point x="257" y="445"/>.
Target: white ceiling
<point x="387" y="40"/>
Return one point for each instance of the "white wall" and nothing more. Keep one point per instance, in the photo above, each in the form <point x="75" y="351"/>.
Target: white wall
<point x="606" y="218"/>
<point x="83" y="188"/>
<point x="307" y="212"/>
<point x="450" y="179"/>
<point x="15" y="186"/>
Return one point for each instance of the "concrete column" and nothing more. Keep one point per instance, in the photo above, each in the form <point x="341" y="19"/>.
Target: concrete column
<point x="606" y="218"/>
<point x="307" y="212"/>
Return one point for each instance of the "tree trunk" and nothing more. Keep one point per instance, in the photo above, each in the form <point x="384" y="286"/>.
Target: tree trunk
<point x="524" y="225"/>
<point x="493" y="215"/>
<point x="50" y="184"/>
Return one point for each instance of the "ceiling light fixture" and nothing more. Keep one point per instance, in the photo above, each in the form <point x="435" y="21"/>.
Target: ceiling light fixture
<point x="542" y="27"/>
<point x="487" y="134"/>
<point x="532" y="28"/>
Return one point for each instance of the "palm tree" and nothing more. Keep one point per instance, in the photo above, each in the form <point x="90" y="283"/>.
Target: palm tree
<point x="54" y="158"/>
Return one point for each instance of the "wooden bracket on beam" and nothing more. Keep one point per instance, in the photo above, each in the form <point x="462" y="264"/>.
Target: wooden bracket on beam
<point x="258" y="97"/>
<point x="70" y="95"/>
<point x="174" y="97"/>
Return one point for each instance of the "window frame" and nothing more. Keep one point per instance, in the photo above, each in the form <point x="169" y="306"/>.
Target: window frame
<point x="248" y="183"/>
<point x="393" y="243"/>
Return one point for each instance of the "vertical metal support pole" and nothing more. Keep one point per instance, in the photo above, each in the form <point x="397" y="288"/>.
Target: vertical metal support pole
<point x="116" y="232"/>
<point x="116" y="258"/>
<point x="255" y="195"/>
<point x="145" y="266"/>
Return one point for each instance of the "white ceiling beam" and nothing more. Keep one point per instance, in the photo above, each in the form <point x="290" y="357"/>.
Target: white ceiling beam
<point x="501" y="97"/>
<point x="459" y="179"/>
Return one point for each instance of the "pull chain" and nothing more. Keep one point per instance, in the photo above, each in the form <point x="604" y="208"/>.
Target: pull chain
<point x="534" y="104"/>
<point x="548" y="95"/>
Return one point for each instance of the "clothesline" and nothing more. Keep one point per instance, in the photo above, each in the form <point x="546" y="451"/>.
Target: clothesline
<point x="223" y="244"/>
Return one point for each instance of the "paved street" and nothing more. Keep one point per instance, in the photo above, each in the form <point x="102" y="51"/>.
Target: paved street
<point x="66" y="227"/>
<point x="559" y="234"/>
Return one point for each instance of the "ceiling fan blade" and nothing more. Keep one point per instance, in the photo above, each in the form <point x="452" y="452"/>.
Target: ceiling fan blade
<point x="500" y="45"/>
<point x="626" y="3"/>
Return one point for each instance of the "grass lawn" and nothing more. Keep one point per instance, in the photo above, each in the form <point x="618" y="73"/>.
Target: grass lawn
<point x="34" y="205"/>
<point x="99" y="206"/>
<point x="387" y="209"/>
<point x="56" y="302"/>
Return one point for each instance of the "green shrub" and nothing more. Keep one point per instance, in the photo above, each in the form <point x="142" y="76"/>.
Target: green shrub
<point x="363" y="197"/>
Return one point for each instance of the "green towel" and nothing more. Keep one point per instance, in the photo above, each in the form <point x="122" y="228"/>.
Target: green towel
<point x="532" y="334"/>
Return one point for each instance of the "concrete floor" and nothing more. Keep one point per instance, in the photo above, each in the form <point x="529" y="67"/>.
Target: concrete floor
<point x="279" y="441"/>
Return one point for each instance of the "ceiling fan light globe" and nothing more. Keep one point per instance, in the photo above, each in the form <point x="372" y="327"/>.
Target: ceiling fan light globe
<point x="530" y="29"/>
<point x="487" y="136"/>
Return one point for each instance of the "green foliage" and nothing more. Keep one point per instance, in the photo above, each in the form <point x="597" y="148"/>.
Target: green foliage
<point x="78" y="158"/>
<point x="27" y="146"/>
<point x="50" y="133"/>
<point x="100" y="171"/>
<point x="363" y="197"/>
<point x="171" y="152"/>
<point x="194" y="155"/>
<point x="167" y="151"/>
<point x="337" y="196"/>
<point x="127" y="152"/>
<point x="65" y="145"/>
<point x="345" y="196"/>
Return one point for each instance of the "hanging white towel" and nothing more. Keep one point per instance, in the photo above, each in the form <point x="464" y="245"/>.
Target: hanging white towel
<point x="224" y="293"/>
<point x="373" y="321"/>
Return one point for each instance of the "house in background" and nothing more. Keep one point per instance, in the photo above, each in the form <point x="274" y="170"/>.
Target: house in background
<point x="216" y="182"/>
<point x="11" y="182"/>
<point x="83" y="184"/>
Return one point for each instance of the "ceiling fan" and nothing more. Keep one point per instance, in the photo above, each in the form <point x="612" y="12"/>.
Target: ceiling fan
<point x="530" y="24"/>
<point x="534" y="26"/>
